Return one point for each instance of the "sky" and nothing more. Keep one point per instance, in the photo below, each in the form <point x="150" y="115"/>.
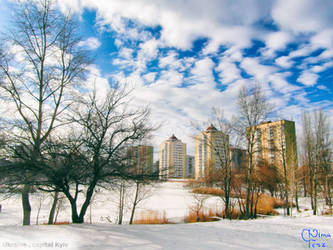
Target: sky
<point x="182" y="58"/>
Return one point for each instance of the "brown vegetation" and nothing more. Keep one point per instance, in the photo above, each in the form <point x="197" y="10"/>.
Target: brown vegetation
<point x="59" y="223"/>
<point x="208" y="190"/>
<point x="151" y="217"/>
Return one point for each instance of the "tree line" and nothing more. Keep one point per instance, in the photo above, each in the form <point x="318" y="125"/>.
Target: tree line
<point x="308" y="173"/>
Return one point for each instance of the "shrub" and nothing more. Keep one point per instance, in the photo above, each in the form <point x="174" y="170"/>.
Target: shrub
<point x="327" y="211"/>
<point x="208" y="190"/>
<point x="151" y="217"/>
<point x="208" y="214"/>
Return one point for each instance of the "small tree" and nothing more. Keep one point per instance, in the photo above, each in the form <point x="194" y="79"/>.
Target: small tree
<point x="198" y="204"/>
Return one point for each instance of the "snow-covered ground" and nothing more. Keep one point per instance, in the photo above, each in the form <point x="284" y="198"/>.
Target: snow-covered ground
<point x="276" y="232"/>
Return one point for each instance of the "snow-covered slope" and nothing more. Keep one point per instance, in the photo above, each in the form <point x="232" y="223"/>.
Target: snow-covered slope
<point x="276" y="232"/>
<point x="268" y="233"/>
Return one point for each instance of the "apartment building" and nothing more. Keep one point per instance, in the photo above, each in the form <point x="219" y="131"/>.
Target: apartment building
<point x="276" y="143"/>
<point x="211" y="148"/>
<point x="172" y="158"/>
<point x="141" y="157"/>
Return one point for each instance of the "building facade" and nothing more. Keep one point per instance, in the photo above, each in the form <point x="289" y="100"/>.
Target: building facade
<point x="172" y="158"/>
<point x="211" y="148"/>
<point x="275" y="143"/>
<point x="189" y="166"/>
<point x="238" y="158"/>
<point x="141" y="158"/>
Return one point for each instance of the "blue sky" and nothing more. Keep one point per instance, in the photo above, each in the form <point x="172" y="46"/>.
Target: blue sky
<point x="185" y="57"/>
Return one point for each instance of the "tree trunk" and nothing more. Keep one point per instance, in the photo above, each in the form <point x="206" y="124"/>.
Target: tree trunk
<point x="248" y="191"/>
<point x="86" y="203"/>
<point x="134" y="203"/>
<point x="315" y="199"/>
<point x="53" y="208"/>
<point x="75" y="217"/>
<point x="326" y="189"/>
<point x="121" y="203"/>
<point x="304" y="187"/>
<point x="296" y="198"/>
<point x="311" y="190"/>
<point x="26" y="204"/>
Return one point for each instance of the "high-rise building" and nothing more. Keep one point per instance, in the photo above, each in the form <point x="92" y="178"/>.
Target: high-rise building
<point x="141" y="157"/>
<point x="211" y="148"/>
<point x="189" y="166"/>
<point x="276" y="143"/>
<point x="172" y="158"/>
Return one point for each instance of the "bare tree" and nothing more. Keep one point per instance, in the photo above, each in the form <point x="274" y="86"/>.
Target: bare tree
<point x="40" y="61"/>
<point x="95" y="153"/>
<point x="143" y="190"/>
<point x="308" y="147"/>
<point x="198" y="204"/>
<point x="317" y="146"/>
<point x="254" y="109"/>
<point x="222" y="151"/>
<point x="323" y="153"/>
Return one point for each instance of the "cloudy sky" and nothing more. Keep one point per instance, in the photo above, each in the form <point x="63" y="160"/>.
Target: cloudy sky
<point x="185" y="57"/>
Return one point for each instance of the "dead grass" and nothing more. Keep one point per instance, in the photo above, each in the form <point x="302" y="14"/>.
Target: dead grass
<point x="215" y="191"/>
<point x="203" y="217"/>
<point x="327" y="211"/>
<point x="266" y="205"/>
<point x="207" y="214"/>
<point x="151" y="217"/>
<point x="208" y="190"/>
<point x="59" y="223"/>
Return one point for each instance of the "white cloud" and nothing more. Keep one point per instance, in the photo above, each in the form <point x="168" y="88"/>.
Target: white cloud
<point x="228" y="71"/>
<point x="284" y="61"/>
<point x="326" y="54"/>
<point x="182" y="22"/>
<point x="169" y="60"/>
<point x="280" y="84"/>
<point x="91" y="43"/>
<point x="322" y="87"/>
<point x="126" y="53"/>
<point x="150" y="77"/>
<point x="203" y="71"/>
<point x="259" y="71"/>
<point x="321" y="68"/>
<point x="303" y="15"/>
<point x="323" y="39"/>
<point x="308" y="78"/>
<point x="149" y="49"/>
<point x="278" y="40"/>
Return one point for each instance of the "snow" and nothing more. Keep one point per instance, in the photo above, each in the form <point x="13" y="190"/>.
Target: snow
<point x="277" y="232"/>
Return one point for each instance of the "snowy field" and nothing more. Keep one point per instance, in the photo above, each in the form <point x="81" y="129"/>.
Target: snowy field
<point x="276" y="232"/>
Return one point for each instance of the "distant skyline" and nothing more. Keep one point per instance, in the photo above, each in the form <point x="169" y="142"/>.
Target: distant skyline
<point x="185" y="57"/>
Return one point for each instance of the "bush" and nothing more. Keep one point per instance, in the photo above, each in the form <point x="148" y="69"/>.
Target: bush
<point x="215" y="191"/>
<point x="203" y="217"/>
<point x="266" y="205"/>
<point x="208" y="190"/>
<point x="151" y="217"/>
